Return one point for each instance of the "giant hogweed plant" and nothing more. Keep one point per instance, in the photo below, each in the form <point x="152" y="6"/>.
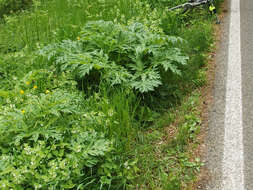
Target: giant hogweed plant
<point x="131" y="56"/>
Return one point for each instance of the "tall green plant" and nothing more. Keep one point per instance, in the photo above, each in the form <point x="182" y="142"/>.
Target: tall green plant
<point x="131" y="56"/>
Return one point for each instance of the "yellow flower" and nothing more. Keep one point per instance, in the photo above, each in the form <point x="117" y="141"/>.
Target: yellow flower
<point x="22" y="92"/>
<point x="78" y="38"/>
<point x="212" y="8"/>
<point x="23" y="111"/>
<point x="47" y="91"/>
<point x="27" y="82"/>
<point x="35" y="87"/>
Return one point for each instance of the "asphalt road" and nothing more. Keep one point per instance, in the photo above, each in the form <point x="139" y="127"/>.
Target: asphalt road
<point x="247" y="88"/>
<point x="216" y="142"/>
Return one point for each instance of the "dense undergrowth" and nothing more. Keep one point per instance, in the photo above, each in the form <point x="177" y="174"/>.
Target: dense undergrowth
<point x="85" y="91"/>
<point x="10" y="6"/>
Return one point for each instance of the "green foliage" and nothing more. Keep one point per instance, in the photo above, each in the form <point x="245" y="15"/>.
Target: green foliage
<point x="81" y="87"/>
<point x="163" y="3"/>
<point x="47" y="140"/>
<point x="8" y="6"/>
<point x="44" y="113"/>
<point x="130" y="56"/>
<point x="51" y="21"/>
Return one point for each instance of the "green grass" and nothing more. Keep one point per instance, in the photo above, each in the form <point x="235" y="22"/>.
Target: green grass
<point x="51" y="21"/>
<point x="166" y="150"/>
<point x="99" y="105"/>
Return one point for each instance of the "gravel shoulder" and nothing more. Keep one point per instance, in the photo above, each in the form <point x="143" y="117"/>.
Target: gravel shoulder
<point x="215" y="129"/>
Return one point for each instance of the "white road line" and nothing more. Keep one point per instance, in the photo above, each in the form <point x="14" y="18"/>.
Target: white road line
<point x="233" y="158"/>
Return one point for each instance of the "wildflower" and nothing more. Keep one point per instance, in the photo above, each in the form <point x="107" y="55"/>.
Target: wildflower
<point x="78" y="38"/>
<point x="47" y="91"/>
<point x="212" y="8"/>
<point x="35" y="87"/>
<point x="22" y="92"/>
<point x="27" y="82"/>
<point x="23" y="111"/>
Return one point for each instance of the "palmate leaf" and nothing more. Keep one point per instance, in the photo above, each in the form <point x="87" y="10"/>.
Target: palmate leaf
<point x="84" y="69"/>
<point x="147" y="81"/>
<point x="116" y="74"/>
<point x="58" y="50"/>
<point x="170" y="60"/>
<point x="174" y="39"/>
<point x="82" y="63"/>
<point x="168" y="65"/>
<point x="93" y="60"/>
<point x="100" y="35"/>
<point x="176" y="55"/>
